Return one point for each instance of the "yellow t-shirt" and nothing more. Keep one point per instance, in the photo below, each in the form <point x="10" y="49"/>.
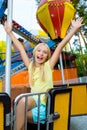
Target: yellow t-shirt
<point x="39" y="85"/>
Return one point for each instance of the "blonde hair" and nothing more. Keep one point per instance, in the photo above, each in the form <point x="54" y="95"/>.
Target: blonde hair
<point x="40" y="44"/>
<point x="42" y="71"/>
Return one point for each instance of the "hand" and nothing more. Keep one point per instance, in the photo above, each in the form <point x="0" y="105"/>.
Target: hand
<point x="77" y="23"/>
<point x="7" y="28"/>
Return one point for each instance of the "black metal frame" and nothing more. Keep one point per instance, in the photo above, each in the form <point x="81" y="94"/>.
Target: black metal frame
<point x="6" y="101"/>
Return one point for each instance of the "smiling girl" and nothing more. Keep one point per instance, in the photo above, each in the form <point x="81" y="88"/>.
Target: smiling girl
<point x="40" y="73"/>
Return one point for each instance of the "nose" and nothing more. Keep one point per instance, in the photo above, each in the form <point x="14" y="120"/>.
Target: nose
<point x="41" y="53"/>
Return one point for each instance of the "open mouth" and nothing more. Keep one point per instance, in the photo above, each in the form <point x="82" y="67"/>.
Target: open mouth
<point x="39" y="58"/>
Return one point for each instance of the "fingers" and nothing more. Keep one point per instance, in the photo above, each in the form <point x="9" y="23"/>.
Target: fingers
<point x="5" y="22"/>
<point x="80" y="19"/>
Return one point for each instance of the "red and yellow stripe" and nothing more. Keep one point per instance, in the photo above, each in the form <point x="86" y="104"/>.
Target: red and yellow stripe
<point x="54" y="16"/>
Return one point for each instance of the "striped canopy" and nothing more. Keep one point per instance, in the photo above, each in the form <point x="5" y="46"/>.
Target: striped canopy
<point x="54" y="17"/>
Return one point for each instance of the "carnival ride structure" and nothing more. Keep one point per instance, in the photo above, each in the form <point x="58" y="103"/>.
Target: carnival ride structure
<point x="49" y="21"/>
<point x="60" y="95"/>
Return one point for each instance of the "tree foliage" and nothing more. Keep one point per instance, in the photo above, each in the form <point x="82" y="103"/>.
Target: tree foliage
<point x="81" y="60"/>
<point x="81" y="64"/>
<point x="81" y="11"/>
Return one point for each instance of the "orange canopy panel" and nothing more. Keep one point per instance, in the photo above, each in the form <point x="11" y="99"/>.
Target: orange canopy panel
<point x="22" y="78"/>
<point x="54" y="16"/>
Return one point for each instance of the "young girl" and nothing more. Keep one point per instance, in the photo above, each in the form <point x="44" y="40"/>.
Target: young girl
<point x="40" y="72"/>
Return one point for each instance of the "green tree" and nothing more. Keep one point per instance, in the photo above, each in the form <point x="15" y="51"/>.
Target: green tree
<point x="81" y="10"/>
<point x="81" y="64"/>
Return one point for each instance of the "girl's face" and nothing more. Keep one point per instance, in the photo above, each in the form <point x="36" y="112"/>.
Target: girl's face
<point x="41" y="55"/>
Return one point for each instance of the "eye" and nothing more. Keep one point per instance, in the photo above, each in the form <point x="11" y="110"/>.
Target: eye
<point x="45" y="52"/>
<point x="38" y="50"/>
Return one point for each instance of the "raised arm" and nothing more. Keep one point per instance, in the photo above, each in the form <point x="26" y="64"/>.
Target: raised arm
<point x="17" y="43"/>
<point x="76" y="24"/>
